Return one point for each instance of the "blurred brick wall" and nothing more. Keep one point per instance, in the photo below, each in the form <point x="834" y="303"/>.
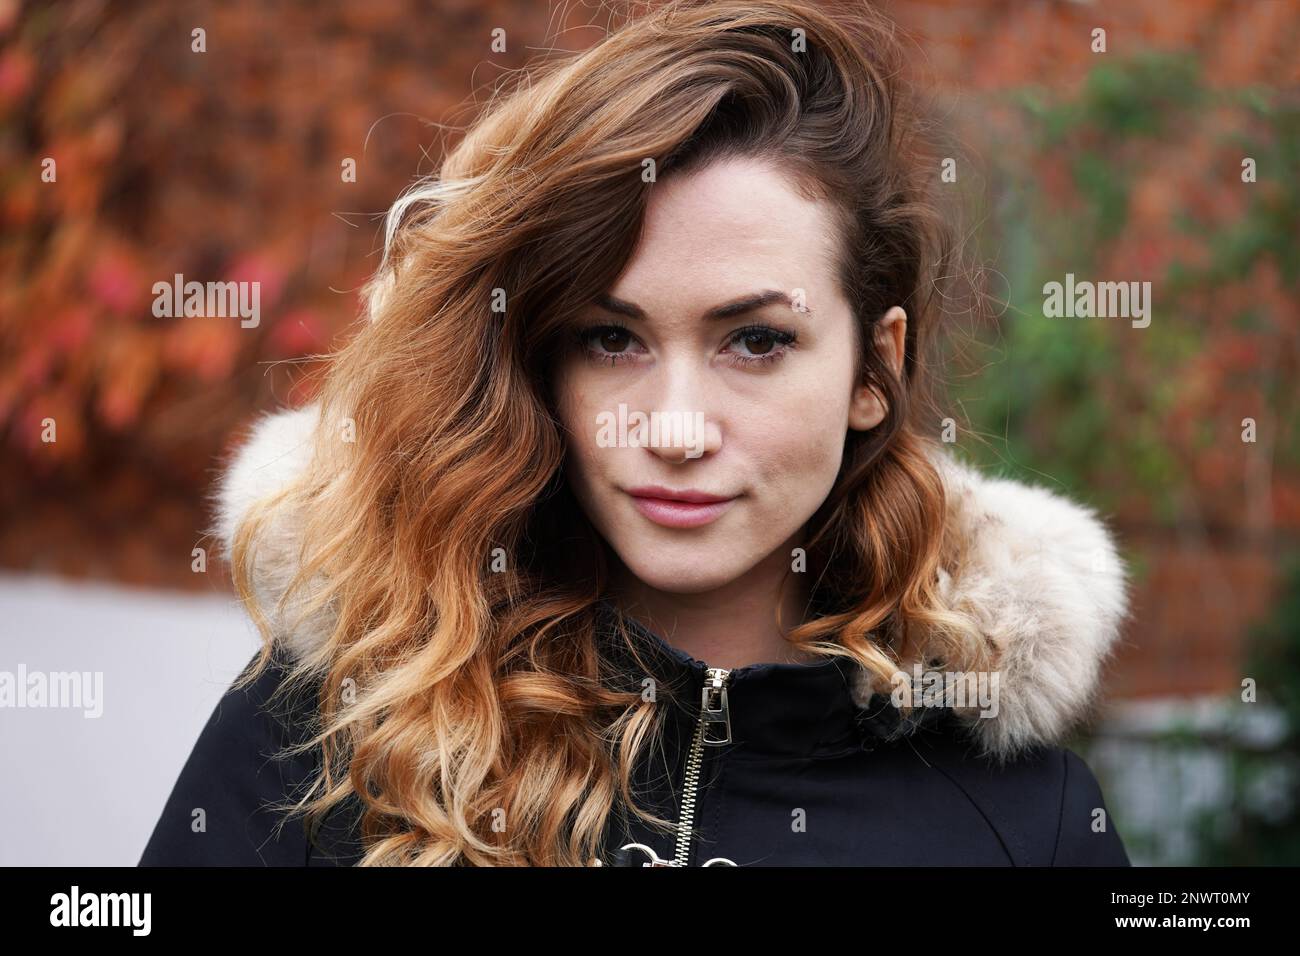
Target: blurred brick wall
<point x="1198" y="593"/>
<point x="226" y="166"/>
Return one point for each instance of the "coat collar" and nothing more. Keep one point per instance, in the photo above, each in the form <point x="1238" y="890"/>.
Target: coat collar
<point x="1039" y="572"/>
<point x="783" y="710"/>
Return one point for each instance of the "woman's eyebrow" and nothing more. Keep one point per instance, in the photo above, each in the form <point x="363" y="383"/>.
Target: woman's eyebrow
<point x="727" y="310"/>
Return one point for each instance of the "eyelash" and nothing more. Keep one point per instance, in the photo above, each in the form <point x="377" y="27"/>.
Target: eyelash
<point x="783" y="338"/>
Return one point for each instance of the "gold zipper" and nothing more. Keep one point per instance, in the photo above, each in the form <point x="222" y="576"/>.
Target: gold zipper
<point x="713" y="712"/>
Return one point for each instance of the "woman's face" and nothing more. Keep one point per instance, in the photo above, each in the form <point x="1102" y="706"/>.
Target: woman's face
<point x="729" y="325"/>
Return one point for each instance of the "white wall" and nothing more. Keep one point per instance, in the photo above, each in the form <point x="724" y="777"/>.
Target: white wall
<point x="86" y="791"/>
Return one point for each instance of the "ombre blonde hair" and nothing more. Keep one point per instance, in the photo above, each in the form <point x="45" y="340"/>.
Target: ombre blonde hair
<point x="452" y="694"/>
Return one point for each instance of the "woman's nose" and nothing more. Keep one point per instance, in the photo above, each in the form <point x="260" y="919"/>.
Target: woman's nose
<point x="688" y="429"/>
<point x="698" y="436"/>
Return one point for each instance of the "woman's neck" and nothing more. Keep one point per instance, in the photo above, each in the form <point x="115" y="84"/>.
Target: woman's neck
<point x="728" y="627"/>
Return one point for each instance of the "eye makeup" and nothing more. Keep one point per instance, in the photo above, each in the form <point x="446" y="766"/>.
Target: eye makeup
<point x="612" y="343"/>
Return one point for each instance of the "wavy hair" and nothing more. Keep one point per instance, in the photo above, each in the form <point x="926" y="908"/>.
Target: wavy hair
<point x="462" y="685"/>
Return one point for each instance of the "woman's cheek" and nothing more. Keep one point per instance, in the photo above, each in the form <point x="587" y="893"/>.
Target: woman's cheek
<point x="573" y="403"/>
<point x="582" y="455"/>
<point x="801" y="456"/>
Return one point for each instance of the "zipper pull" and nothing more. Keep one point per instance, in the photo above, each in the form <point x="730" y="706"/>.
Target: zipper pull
<point x="713" y="706"/>
<point x="655" y="859"/>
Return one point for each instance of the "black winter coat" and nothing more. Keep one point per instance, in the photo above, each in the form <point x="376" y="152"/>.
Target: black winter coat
<point x="768" y="764"/>
<point x="809" y="778"/>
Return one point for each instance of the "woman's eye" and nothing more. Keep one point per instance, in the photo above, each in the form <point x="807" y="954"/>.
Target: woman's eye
<point x="613" y="340"/>
<point x="751" y="345"/>
<point x="759" y="344"/>
<point x="608" y="343"/>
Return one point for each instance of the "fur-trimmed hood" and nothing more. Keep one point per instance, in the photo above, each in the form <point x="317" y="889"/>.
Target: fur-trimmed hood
<point x="1038" y="571"/>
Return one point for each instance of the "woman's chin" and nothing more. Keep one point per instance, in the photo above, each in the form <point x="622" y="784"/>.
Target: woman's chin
<point x="694" y="576"/>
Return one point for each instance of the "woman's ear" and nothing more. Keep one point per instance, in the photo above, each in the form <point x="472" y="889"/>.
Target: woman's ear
<point x="867" y="408"/>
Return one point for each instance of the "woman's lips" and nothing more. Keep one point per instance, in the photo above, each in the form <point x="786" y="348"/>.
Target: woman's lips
<point x="679" y="509"/>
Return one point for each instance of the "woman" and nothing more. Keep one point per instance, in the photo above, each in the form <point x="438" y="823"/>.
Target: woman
<point x="619" y="536"/>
